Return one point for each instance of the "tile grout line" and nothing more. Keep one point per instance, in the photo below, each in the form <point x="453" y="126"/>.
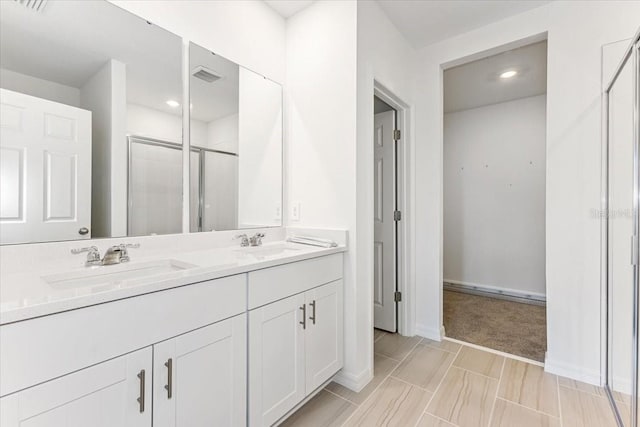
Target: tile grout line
<point x="343" y="398"/>
<point x="495" y="398"/>
<point x="382" y="381"/>
<point x="440" y="384"/>
<point x="526" y="407"/>
<point x="408" y="383"/>
<point x="477" y="373"/>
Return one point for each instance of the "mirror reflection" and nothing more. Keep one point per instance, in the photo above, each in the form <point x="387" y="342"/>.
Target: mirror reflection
<point x="91" y="117"/>
<point x="236" y="145"/>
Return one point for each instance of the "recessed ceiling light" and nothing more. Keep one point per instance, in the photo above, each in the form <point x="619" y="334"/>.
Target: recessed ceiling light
<point x="173" y="104"/>
<point x="508" y="74"/>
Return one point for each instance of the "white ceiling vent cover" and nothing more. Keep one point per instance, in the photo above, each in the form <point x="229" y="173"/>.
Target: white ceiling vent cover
<point x="35" y="5"/>
<point x="206" y="74"/>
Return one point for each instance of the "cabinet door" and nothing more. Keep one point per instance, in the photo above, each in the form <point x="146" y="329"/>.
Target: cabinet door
<point x="112" y="393"/>
<point x="200" y="377"/>
<point x="323" y="341"/>
<point x="276" y="360"/>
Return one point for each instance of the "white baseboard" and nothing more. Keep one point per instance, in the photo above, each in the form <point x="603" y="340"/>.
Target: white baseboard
<point x="572" y="371"/>
<point x="431" y="333"/>
<point x="354" y="382"/>
<point x="457" y="285"/>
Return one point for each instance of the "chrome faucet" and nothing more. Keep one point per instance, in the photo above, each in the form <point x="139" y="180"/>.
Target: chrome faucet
<point x="256" y="239"/>
<point x="118" y="254"/>
<point x="93" y="255"/>
<point x="114" y="255"/>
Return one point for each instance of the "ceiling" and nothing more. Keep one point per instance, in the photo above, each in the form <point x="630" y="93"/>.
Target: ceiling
<point x="426" y="22"/>
<point x="288" y="8"/>
<point x="478" y="83"/>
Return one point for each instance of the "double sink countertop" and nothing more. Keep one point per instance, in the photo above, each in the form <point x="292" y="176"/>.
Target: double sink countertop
<point x="31" y="294"/>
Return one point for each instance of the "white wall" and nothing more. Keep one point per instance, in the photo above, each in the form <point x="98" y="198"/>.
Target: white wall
<point x="494" y="196"/>
<point x="41" y="88"/>
<point x="576" y="33"/>
<point x="320" y="133"/>
<point x="248" y="32"/>
<point x="336" y="50"/>
<point x="386" y="57"/>
<point x="105" y="95"/>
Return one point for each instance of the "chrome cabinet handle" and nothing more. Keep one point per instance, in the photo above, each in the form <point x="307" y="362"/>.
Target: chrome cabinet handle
<point x="140" y="399"/>
<point x="169" y="386"/>
<point x="303" y="322"/>
<point x="313" y="315"/>
<point x="83" y="231"/>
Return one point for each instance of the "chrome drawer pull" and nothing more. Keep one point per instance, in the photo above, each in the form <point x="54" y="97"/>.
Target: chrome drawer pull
<point x="303" y="322"/>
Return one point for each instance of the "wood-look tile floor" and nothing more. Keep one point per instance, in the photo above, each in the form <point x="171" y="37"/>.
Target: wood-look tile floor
<point x="423" y="383"/>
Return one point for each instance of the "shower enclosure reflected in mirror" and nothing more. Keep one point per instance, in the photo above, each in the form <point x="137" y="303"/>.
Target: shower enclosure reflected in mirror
<point x="86" y="90"/>
<point x="621" y="223"/>
<point x="235" y="143"/>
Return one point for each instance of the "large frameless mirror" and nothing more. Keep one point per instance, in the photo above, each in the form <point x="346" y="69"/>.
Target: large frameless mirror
<point x="91" y="115"/>
<point x="235" y="143"/>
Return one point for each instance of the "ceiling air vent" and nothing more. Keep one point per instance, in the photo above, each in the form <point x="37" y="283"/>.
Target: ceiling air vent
<point x="35" y="5"/>
<point x="206" y="74"/>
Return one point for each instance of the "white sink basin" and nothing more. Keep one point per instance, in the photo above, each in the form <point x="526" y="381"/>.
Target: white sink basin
<point x="108" y="274"/>
<point x="267" y="251"/>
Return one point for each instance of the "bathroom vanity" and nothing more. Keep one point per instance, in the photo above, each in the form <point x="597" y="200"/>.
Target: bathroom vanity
<point x="118" y="305"/>
<point x="227" y="337"/>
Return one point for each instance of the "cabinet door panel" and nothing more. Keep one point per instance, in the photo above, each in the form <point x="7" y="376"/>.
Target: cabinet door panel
<point x="276" y="360"/>
<point x="323" y="342"/>
<point x="208" y="377"/>
<point x="103" y="395"/>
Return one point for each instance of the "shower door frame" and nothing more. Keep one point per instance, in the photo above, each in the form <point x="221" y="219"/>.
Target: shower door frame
<point x="632" y="53"/>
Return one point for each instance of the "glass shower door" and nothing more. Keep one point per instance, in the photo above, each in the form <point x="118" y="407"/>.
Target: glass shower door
<point x="621" y="189"/>
<point x="155" y="187"/>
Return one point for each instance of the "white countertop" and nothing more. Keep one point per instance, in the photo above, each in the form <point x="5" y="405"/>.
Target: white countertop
<point x="25" y="295"/>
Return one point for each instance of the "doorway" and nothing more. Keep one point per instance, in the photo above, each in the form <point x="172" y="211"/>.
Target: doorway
<point x="386" y="215"/>
<point x="494" y="121"/>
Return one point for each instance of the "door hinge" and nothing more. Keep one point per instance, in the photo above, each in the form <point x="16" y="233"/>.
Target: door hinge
<point x="397" y="215"/>
<point x="397" y="296"/>
<point x="396" y="134"/>
<point x="634" y="250"/>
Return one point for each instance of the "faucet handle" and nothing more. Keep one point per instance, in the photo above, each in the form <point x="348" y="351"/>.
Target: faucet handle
<point x="124" y="253"/>
<point x="93" y="254"/>
<point x="244" y="239"/>
<point x="256" y="239"/>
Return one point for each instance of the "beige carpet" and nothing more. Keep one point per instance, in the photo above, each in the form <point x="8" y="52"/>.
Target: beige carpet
<point x="507" y="326"/>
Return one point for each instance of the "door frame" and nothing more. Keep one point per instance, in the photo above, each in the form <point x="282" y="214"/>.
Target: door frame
<point x="405" y="309"/>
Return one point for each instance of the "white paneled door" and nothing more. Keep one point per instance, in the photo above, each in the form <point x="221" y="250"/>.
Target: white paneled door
<point x="384" y="223"/>
<point x="45" y="167"/>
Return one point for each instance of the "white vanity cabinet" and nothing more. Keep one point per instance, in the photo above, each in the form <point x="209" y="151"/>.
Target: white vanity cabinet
<point x="295" y="334"/>
<point x="200" y="378"/>
<point x="104" y="365"/>
<point x="240" y="350"/>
